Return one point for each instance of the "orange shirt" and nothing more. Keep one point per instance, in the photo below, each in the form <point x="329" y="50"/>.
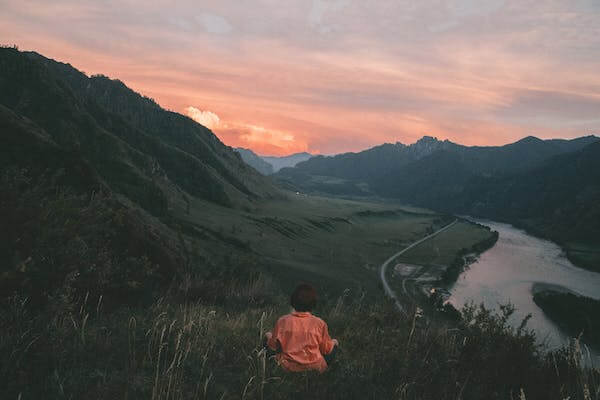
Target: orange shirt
<point x="304" y="339"/>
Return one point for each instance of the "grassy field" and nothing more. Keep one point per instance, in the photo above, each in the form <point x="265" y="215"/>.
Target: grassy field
<point x="441" y="249"/>
<point x="337" y="243"/>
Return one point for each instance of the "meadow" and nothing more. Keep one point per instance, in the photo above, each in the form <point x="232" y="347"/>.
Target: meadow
<point x="338" y="242"/>
<point x="174" y="350"/>
<point x="201" y="336"/>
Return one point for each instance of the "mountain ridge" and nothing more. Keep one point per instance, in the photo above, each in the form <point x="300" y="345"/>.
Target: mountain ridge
<point x="97" y="181"/>
<point x="549" y="187"/>
<point x="159" y="149"/>
<point x="398" y="154"/>
<point x="255" y="161"/>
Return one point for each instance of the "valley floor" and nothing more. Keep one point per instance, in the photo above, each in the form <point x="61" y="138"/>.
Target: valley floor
<point x="338" y="243"/>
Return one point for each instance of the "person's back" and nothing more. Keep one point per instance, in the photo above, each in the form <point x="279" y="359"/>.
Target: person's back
<point x="301" y="338"/>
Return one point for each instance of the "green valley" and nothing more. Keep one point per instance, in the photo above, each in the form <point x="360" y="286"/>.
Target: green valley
<point x="140" y="257"/>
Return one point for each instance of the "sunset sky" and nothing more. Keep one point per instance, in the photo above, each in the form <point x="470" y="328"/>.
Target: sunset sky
<point x="282" y="76"/>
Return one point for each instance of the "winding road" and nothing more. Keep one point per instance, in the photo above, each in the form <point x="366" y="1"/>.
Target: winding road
<point x="383" y="268"/>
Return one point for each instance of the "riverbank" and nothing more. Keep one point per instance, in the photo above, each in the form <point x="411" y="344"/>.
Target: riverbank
<point x="582" y="255"/>
<point x="423" y="270"/>
<point x="516" y="267"/>
<point x="468" y="256"/>
<point x="578" y="316"/>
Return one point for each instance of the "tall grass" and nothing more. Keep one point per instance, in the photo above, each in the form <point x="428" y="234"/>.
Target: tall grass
<point x="175" y="350"/>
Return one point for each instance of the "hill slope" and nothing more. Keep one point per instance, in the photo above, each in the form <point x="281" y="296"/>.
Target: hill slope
<point x="559" y="199"/>
<point x="388" y="159"/>
<point x="140" y="150"/>
<point x="94" y="178"/>
<point x="68" y="229"/>
<point x="255" y="161"/>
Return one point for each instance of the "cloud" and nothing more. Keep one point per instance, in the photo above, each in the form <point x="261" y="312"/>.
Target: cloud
<point x="476" y="72"/>
<point x="466" y="8"/>
<point x="261" y="134"/>
<point x="241" y="134"/>
<point x="552" y="109"/>
<point x="260" y="139"/>
<point x="207" y="118"/>
<point x="214" y="23"/>
<point x="319" y="10"/>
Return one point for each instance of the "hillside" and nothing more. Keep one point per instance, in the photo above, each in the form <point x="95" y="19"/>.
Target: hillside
<point x="141" y="151"/>
<point x="286" y="161"/>
<point x="268" y="165"/>
<point x="557" y="199"/>
<point x="69" y="232"/>
<point x="95" y="178"/>
<point x="255" y="161"/>
<point x="560" y="200"/>
<point x="388" y="159"/>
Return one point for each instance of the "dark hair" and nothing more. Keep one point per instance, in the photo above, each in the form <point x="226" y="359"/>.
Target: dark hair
<point x="304" y="298"/>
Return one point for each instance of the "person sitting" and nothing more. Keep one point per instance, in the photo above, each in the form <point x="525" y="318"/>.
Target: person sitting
<point x="302" y="340"/>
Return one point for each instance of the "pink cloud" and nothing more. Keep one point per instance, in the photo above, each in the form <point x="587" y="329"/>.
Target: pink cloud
<point x="291" y="78"/>
<point x="207" y="118"/>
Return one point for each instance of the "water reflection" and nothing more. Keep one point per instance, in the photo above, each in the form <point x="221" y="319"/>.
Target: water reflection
<point x="508" y="272"/>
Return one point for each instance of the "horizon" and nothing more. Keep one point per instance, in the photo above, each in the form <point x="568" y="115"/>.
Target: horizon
<point x="410" y="144"/>
<point x="320" y="78"/>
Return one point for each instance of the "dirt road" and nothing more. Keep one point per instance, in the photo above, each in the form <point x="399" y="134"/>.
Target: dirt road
<point x="383" y="268"/>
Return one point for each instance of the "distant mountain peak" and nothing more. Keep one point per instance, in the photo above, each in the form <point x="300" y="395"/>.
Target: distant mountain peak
<point x="427" y="139"/>
<point x="299" y="154"/>
<point x="430" y="144"/>
<point x="302" y="153"/>
<point x="530" y="139"/>
<point x="255" y="161"/>
<point x="270" y="164"/>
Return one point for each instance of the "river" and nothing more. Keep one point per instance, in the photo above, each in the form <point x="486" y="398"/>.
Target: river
<point x="508" y="271"/>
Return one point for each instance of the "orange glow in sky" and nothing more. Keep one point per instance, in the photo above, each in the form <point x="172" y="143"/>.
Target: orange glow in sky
<point x="338" y="75"/>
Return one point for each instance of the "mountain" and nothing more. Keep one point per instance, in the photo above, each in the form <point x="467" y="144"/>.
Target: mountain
<point x="388" y="169"/>
<point x="67" y="225"/>
<point x="559" y="199"/>
<point x="388" y="158"/>
<point x="141" y="150"/>
<point x="286" y="161"/>
<point x="268" y="165"/>
<point x="550" y="187"/>
<point x="95" y="182"/>
<point x="560" y="194"/>
<point x="255" y="161"/>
